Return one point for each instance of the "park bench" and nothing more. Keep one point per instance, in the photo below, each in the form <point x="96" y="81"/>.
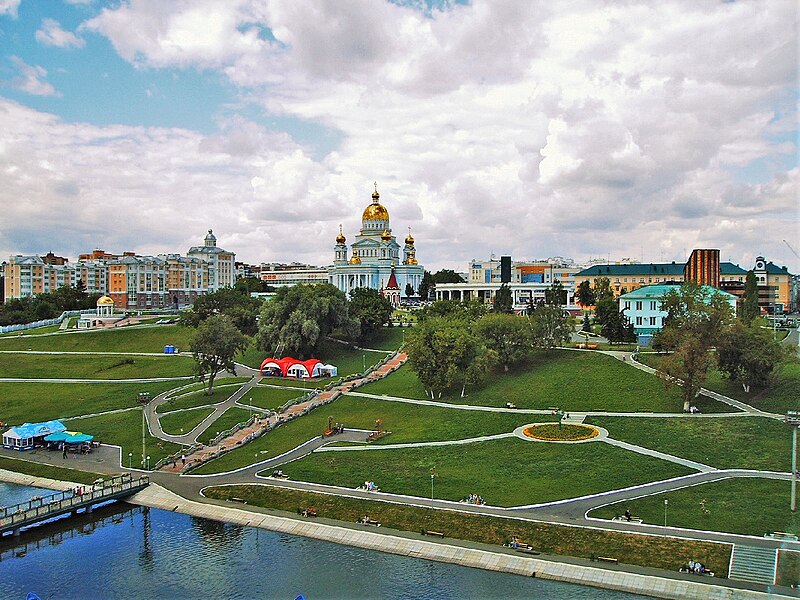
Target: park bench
<point x="623" y="519"/>
<point x="235" y="499"/>
<point x="781" y="535"/>
<point x="607" y="559"/>
<point x="365" y="520"/>
<point x="433" y="533"/>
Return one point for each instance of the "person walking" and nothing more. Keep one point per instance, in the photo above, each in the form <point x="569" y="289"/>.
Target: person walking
<point x="64" y="455"/>
<point x="183" y="459"/>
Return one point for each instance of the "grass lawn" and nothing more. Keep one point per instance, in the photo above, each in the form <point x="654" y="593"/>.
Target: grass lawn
<point x="184" y="421"/>
<point x="228" y="419"/>
<point x="64" y="366"/>
<point x="778" y="398"/>
<point x="663" y="553"/>
<point x="123" y="339"/>
<point x="725" y="443"/>
<point x="199" y="398"/>
<point x="34" y="402"/>
<point x="270" y="398"/>
<point x="571" y="380"/>
<point x="508" y="472"/>
<point x="407" y="422"/>
<point x="386" y="338"/>
<point x="788" y="568"/>
<point x="748" y="506"/>
<point x="49" y="472"/>
<point x="31" y="332"/>
<point x="124" y="429"/>
<point x="347" y="359"/>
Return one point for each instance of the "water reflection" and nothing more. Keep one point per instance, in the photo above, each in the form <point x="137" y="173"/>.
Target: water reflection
<point x="121" y="551"/>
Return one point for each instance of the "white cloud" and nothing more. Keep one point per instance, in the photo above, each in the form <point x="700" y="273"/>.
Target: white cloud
<point x="537" y="128"/>
<point x="9" y="7"/>
<point x="51" y="34"/>
<point x="31" y="79"/>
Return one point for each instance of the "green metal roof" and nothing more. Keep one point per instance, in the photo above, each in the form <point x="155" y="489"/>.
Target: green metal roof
<point x="656" y="292"/>
<point x="636" y="269"/>
<point x="728" y="268"/>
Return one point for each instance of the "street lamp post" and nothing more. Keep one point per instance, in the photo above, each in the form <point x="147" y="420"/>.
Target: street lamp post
<point x="148" y="462"/>
<point x="363" y="363"/>
<point x="130" y="460"/>
<point x="433" y="474"/>
<point x="793" y="419"/>
<point x="665" y="511"/>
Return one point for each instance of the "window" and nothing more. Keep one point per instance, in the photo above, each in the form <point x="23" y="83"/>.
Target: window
<point x="653" y="321"/>
<point x="627" y="304"/>
<point x="652" y="305"/>
<point x="638" y="320"/>
<point x="638" y="305"/>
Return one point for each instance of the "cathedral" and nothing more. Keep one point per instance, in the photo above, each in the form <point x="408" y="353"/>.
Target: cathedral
<point x="375" y="258"/>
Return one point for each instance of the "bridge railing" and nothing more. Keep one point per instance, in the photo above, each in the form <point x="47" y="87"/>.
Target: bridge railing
<point x="39" y="507"/>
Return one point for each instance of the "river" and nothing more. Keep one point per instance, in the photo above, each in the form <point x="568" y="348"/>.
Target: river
<point x="125" y="551"/>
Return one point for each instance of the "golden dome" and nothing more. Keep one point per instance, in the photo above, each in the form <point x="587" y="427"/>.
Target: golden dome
<point x="386" y="236"/>
<point x="412" y="259"/>
<point x="105" y="301"/>
<point x="375" y="211"/>
<point x="409" y="238"/>
<point x="340" y="239"/>
<point x="355" y="259"/>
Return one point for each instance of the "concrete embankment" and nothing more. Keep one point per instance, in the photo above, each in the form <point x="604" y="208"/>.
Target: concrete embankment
<point x="156" y="496"/>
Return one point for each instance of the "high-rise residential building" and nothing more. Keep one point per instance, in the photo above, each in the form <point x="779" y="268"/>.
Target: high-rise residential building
<point x="221" y="263"/>
<point x="30" y="275"/>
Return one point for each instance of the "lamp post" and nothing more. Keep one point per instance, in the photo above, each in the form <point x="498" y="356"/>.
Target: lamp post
<point x="130" y="460"/>
<point x="363" y="363"/>
<point x="148" y="462"/>
<point x="793" y="419"/>
<point x="433" y="474"/>
<point x="665" y="511"/>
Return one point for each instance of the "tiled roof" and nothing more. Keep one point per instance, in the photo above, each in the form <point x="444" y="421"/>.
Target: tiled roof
<point x="653" y="292"/>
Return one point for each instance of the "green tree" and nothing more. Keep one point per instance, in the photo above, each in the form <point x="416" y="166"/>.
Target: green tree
<point x="425" y="285"/>
<point x="508" y="336"/>
<point x="549" y="326"/>
<point x="585" y="294"/>
<point x="444" y="354"/>
<point x="618" y="329"/>
<point x="215" y="344"/>
<point x="696" y="318"/>
<point x="749" y="310"/>
<point x="468" y="310"/>
<point x="370" y="309"/>
<point x="749" y="354"/>
<point x="447" y="276"/>
<point x="503" y="301"/>
<point x="233" y="302"/>
<point x="409" y="290"/>
<point x="606" y="305"/>
<point x="556" y="294"/>
<point x="300" y="317"/>
<point x="252" y="284"/>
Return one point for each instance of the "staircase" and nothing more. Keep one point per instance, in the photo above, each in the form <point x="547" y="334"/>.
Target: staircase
<point x="749" y="563"/>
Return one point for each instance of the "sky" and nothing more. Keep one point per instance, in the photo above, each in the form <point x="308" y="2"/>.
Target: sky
<point x="578" y="128"/>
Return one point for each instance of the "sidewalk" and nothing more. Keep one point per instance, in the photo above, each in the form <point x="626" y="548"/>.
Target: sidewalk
<point x="261" y="426"/>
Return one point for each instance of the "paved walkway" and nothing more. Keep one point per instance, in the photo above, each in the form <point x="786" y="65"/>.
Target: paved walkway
<point x="260" y="425"/>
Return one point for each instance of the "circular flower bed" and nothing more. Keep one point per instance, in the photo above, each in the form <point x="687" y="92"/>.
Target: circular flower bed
<point x="566" y="433"/>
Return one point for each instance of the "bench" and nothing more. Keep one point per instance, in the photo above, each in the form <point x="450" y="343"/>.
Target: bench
<point x="623" y="519"/>
<point x="781" y="535"/>
<point x="234" y="499"/>
<point x="433" y="533"/>
<point x="607" y="559"/>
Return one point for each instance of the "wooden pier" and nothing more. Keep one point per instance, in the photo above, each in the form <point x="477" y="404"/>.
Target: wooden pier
<point x="84" y="497"/>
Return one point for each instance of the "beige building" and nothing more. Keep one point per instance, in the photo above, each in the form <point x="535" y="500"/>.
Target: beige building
<point x="30" y="275"/>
